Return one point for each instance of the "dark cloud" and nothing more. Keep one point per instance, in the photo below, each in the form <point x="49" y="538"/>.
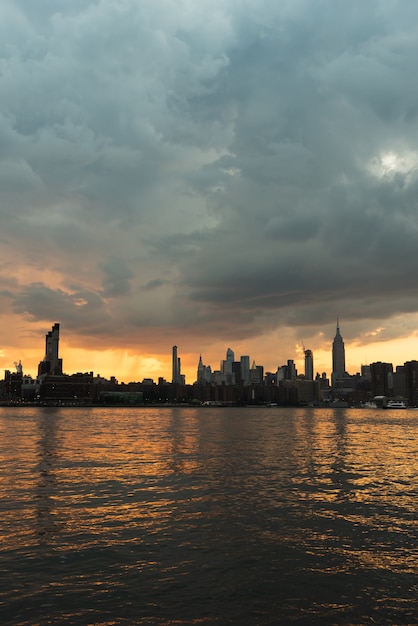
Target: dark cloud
<point x="77" y="310"/>
<point x="117" y="280"/>
<point x="155" y="283"/>
<point x="222" y="166"/>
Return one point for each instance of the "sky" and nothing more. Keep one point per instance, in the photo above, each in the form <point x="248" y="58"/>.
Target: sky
<point x="232" y="173"/>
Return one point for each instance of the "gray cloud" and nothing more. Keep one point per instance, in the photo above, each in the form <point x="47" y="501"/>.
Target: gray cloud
<point x="251" y="164"/>
<point x="77" y="309"/>
<point x="117" y="280"/>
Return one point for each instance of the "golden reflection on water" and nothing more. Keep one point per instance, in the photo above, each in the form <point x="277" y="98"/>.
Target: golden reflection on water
<point x="92" y="469"/>
<point x="156" y="493"/>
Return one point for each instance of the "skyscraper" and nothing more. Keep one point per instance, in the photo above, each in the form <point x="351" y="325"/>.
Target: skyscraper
<point x="382" y="382"/>
<point x="203" y="372"/>
<point x="338" y="356"/>
<point x="51" y="363"/>
<point x="245" y="369"/>
<point x="411" y="382"/>
<point x="291" y="372"/>
<point x="309" y="368"/>
<point x="176" y="367"/>
<point x="226" y="366"/>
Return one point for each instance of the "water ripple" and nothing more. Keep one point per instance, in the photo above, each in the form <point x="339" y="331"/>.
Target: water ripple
<point x="208" y="516"/>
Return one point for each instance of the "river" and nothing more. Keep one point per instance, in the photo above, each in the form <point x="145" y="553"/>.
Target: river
<point x="247" y="516"/>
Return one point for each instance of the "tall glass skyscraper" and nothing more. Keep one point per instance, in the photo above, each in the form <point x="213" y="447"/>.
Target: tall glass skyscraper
<point x="245" y="369"/>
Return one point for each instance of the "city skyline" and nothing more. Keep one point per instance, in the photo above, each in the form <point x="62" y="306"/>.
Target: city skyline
<point x="52" y="363"/>
<point x="232" y="174"/>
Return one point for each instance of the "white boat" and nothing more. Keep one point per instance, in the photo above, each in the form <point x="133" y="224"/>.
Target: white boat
<point x="396" y="404"/>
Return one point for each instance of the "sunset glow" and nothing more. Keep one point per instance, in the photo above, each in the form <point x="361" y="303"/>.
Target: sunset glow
<point x="229" y="176"/>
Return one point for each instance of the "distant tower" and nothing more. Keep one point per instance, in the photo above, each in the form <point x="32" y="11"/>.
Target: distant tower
<point x="245" y="369"/>
<point x="201" y="372"/>
<point x="51" y="363"/>
<point x="309" y="368"/>
<point x="226" y="366"/>
<point x="176" y="377"/>
<point x="291" y="370"/>
<point x="338" y="356"/>
<point x="256" y="374"/>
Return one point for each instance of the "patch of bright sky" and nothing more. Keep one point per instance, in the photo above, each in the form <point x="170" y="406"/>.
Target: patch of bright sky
<point x="391" y="163"/>
<point x="124" y="366"/>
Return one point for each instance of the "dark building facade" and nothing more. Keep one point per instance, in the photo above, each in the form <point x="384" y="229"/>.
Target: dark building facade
<point x="381" y="375"/>
<point x="309" y="365"/>
<point x="77" y="389"/>
<point x="411" y="382"/>
<point x="338" y="356"/>
<point x="51" y="363"/>
<point x="12" y="387"/>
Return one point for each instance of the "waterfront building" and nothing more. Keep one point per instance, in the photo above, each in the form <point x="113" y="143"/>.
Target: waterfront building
<point x="410" y="370"/>
<point x="382" y="378"/>
<point x="12" y="386"/>
<point x="399" y="382"/>
<point x="30" y="387"/>
<point x="78" y="388"/>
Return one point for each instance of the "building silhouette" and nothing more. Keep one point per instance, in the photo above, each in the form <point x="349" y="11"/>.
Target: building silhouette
<point x="235" y="383"/>
<point x="204" y="373"/>
<point x="51" y="363"/>
<point x="411" y="382"/>
<point x="381" y="374"/>
<point x="338" y="357"/>
<point x="309" y="365"/>
<point x="176" y="367"/>
<point x="245" y="369"/>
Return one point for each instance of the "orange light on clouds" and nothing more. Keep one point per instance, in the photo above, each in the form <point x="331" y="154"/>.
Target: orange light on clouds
<point x="271" y="350"/>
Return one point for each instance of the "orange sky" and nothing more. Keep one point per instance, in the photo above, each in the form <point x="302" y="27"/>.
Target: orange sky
<point x="129" y="365"/>
<point x="213" y="197"/>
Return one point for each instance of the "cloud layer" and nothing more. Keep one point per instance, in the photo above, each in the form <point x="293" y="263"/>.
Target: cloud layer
<point x="207" y="169"/>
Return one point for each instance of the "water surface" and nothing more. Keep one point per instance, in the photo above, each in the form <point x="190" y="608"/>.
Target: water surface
<point x="208" y="516"/>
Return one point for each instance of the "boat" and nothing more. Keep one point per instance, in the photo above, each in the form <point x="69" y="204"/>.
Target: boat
<point x="396" y="404"/>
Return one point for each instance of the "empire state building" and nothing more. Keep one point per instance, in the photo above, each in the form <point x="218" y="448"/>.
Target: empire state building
<point x="338" y="356"/>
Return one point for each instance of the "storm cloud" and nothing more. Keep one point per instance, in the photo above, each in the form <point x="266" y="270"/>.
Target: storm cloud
<point x="215" y="169"/>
